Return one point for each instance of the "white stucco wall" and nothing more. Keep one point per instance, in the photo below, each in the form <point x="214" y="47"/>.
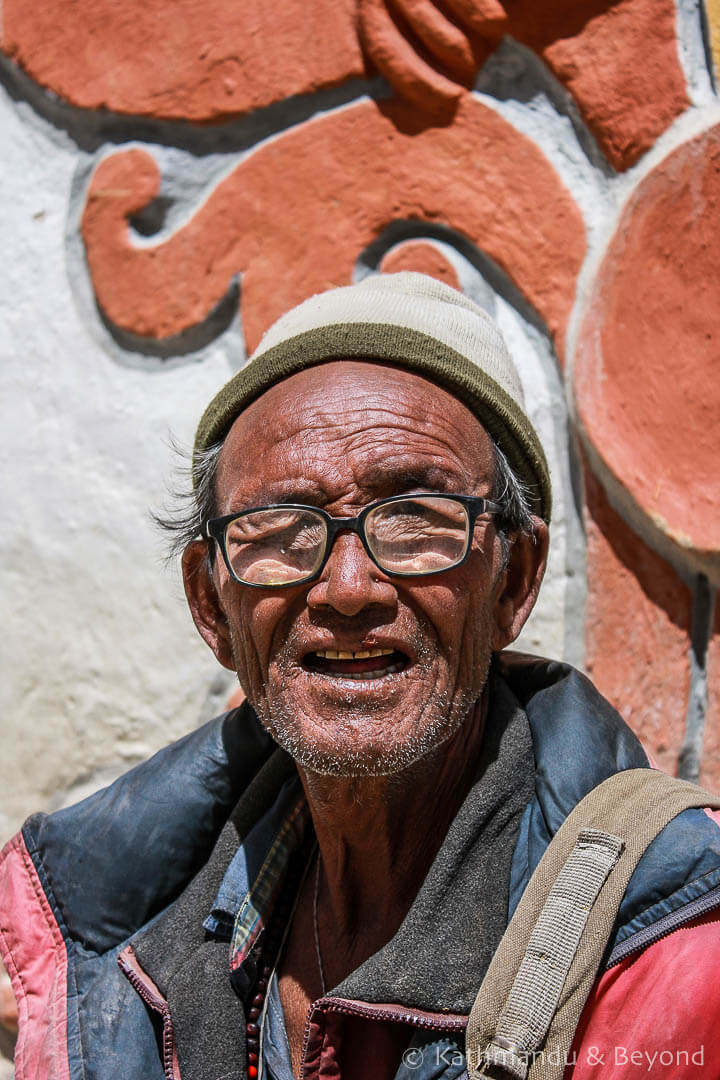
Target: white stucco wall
<point x="100" y="662"/>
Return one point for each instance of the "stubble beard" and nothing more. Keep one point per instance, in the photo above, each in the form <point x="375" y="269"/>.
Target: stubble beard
<point x="439" y="718"/>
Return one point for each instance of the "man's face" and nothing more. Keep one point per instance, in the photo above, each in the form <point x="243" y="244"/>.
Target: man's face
<point x="340" y="436"/>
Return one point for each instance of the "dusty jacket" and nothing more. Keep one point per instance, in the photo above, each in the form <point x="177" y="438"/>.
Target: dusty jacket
<point x="131" y="874"/>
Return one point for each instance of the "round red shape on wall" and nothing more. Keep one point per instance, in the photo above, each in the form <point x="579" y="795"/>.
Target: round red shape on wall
<point x="646" y="369"/>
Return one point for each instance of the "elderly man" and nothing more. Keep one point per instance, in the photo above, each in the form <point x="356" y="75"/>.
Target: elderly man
<point x="315" y="884"/>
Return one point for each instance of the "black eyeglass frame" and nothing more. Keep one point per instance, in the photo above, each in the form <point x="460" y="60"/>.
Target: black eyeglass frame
<point x="475" y="505"/>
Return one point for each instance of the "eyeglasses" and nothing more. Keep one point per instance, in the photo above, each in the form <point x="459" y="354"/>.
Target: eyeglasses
<point x="405" y="536"/>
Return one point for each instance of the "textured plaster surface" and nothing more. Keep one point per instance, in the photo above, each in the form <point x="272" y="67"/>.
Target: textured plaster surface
<point x="638" y="625"/>
<point x="601" y="71"/>
<point x="695" y="50"/>
<point x="329" y="180"/>
<point x="645" y="369"/>
<point x="102" y="664"/>
<point x="199" y="62"/>
<point x="221" y="58"/>
<point x="713" y="14"/>
<point x="423" y="257"/>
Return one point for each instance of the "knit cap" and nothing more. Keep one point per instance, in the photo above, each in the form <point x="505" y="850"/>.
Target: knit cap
<point x="407" y="320"/>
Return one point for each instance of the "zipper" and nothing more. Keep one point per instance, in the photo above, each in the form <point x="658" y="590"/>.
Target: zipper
<point x="642" y="939"/>
<point x="417" y="1018"/>
<point x="151" y="995"/>
<point x="454" y="1023"/>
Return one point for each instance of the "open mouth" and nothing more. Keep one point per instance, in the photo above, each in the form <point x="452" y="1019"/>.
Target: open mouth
<point x="375" y="663"/>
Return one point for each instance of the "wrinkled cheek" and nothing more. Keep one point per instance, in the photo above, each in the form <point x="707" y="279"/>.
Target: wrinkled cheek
<point x="474" y="656"/>
<point x="246" y="666"/>
<point x="283" y="681"/>
<point x="247" y="656"/>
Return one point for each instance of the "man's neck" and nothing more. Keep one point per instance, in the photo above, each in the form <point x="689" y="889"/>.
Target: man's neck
<point x="377" y="837"/>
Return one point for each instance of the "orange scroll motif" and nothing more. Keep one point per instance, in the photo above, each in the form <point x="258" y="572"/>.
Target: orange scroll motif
<point x="294" y="216"/>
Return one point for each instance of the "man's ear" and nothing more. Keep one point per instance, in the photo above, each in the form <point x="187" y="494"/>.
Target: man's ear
<point x="204" y="602"/>
<point x="520" y="583"/>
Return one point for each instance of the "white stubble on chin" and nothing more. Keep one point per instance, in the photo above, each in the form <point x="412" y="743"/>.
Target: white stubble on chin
<point x="288" y="716"/>
<point x="380" y="753"/>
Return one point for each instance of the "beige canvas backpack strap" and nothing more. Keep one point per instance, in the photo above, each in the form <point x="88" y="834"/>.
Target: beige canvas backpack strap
<point x="524" y="1018"/>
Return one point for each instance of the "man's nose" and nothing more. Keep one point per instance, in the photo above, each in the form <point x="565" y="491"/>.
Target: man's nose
<point x="350" y="581"/>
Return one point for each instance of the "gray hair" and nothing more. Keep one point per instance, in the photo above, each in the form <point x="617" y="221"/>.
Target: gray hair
<point x="514" y="517"/>
<point x="195" y="499"/>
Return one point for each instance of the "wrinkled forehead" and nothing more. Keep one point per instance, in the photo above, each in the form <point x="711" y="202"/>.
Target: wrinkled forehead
<point x="347" y="407"/>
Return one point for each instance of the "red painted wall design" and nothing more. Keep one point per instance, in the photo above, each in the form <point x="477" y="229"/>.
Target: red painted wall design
<point x="259" y="219"/>
<point x="648" y="398"/>
<point x="646" y="369"/>
<point x="638" y="626"/>
<point x="205" y="61"/>
<point x="405" y="139"/>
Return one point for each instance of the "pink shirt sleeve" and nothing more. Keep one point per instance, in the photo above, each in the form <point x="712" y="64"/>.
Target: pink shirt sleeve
<point x="33" y="951"/>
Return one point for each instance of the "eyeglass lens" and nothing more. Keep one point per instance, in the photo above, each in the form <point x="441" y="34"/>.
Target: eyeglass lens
<point x="411" y="536"/>
<point x="417" y="536"/>
<point x="275" y="547"/>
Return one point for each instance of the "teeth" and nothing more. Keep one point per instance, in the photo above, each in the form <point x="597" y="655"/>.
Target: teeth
<point x="361" y="654"/>
<point x="379" y="674"/>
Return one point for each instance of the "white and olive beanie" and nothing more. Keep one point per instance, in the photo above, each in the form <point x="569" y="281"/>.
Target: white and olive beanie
<point x="407" y="320"/>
